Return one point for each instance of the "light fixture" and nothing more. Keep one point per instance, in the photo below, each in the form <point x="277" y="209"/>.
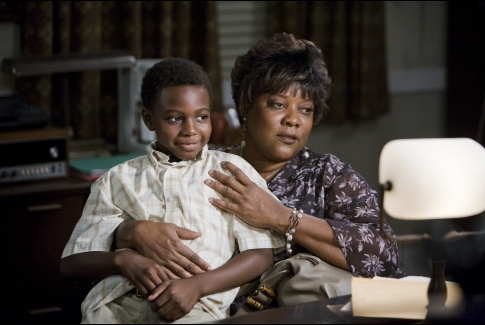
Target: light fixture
<point x="433" y="178"/>
<point x="65" y="63"/>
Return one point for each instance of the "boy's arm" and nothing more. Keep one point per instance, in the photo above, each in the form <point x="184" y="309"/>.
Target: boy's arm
<point x="140" y="271"/>
<point x="174" y="299"/>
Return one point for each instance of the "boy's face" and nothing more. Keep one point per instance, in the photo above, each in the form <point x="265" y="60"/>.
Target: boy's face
<point x="181" y="121"/>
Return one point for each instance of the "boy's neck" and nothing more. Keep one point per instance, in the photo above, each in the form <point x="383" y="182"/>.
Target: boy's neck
<point x="172" y="158"/>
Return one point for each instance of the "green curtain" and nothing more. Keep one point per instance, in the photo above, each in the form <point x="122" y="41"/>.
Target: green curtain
<point x="352" y="37"/>
<point x="146" y="29"/>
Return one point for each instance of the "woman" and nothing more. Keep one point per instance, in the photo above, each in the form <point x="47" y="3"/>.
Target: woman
<point x="280" y="87"/>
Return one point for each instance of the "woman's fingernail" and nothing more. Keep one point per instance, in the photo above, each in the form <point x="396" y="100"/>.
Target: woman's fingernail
<point x="223" y="163"/>
<point x="208" y="181"/>
<point x="211" y="171"/>
<point x="211" y="199"/>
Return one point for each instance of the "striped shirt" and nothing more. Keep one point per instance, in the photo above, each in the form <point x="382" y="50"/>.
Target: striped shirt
<point x="152" y="188"/>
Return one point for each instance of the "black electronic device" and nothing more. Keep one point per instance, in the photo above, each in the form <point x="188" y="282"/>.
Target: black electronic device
<point x="15" y="113"/>
<point x="29" y="155"/>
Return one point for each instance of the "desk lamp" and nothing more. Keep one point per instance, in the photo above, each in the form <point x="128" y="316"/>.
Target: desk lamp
<point x="434" y="178"/>
<point x="78" y="62"/>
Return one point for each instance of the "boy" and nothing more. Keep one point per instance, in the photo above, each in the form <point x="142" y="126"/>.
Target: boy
<point x="167" y="186"/>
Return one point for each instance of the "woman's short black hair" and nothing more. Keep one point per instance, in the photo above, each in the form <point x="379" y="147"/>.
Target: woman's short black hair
<point x="277" y="64"/>
<point x="172" y="72"/>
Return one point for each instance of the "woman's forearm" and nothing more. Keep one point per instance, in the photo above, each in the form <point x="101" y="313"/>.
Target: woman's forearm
<point x="123" y="235"/>
<point x="316" y="235"/>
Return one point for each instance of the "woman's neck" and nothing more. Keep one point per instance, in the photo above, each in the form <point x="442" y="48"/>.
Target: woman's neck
<point x="267" y="169"/>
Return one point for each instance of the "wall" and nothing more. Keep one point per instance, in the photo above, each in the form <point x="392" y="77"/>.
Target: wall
<point x="416" y="60"/>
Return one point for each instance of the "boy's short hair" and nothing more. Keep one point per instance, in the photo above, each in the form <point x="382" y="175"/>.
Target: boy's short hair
<point x="172" y="72"/>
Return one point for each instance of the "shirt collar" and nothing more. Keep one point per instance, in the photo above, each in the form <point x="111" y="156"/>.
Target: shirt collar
<point x="158" y="158"/>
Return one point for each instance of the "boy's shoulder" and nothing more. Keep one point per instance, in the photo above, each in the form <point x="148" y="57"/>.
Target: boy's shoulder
<point x="222" y="155"/>
<point x="125" y="166"/>
<point x="241" y="163"/>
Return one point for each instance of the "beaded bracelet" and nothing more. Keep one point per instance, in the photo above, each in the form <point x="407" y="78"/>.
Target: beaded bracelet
<point x="293" y="222"/>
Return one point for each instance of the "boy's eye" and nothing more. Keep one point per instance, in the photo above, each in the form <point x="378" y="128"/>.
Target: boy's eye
<point x="174" y="119"/>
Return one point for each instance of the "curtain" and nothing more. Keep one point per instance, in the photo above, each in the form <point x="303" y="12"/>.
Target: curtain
<point x="351" y="35"/>
<point x="145" y="29"/>
<point x="465" y="89"/>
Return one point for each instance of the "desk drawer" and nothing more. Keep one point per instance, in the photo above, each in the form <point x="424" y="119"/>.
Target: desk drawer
<point x="35" y="230"/>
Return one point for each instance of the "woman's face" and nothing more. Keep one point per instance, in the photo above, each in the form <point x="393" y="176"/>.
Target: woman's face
<point x="278" y="126"/>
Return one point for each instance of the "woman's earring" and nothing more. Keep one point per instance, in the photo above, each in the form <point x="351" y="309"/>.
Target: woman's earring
<point x="243" y="142"/>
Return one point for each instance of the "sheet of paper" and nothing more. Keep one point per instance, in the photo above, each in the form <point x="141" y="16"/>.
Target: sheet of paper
<point x="397" y="298"/>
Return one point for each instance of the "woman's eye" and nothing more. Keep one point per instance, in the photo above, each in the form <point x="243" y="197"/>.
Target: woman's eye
<point x="278" y="105"/>
<point x="307" y="110"/>
<point x="203" y="117"/>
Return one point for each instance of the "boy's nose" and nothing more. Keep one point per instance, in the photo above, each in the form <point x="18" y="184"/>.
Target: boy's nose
<point x="189" y="128"/>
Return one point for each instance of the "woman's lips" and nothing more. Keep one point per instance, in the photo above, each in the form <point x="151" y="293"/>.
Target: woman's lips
<point x="288" y="138"/>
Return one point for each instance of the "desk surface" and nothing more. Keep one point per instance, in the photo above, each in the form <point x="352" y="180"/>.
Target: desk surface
<point x="317" y="312"/>
<point x="309" y="313"/>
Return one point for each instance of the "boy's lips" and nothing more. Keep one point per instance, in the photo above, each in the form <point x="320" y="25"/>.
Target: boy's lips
<point x="188" y="146"/>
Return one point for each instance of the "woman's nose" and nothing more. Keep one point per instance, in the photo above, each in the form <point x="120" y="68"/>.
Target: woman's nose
<point x="291" y="117"/>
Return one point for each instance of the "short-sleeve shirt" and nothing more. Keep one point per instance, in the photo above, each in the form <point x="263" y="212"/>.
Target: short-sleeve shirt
<point x="152" y="188"/>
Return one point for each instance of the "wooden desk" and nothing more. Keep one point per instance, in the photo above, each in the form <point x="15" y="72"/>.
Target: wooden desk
<point x="308" y="313"/>
<point x="37" y="221"/>
<point x="317" y="312"/>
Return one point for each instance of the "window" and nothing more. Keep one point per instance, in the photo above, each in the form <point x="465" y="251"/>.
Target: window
<point x="241" y="25"/>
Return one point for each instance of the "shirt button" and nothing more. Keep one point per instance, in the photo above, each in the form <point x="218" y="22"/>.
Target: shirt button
<point x="170" y="199"/>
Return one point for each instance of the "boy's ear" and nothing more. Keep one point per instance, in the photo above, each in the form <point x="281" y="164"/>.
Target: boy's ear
<point x="146" y="114"/>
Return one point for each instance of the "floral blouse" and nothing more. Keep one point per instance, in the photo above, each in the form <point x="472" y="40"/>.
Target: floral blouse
<point x="327" y="188"/>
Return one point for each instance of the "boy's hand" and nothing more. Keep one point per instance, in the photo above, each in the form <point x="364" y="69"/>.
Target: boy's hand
<point x="174" y="299"/>
<point x="161" y="242"/>
<point x="141" y="272"/>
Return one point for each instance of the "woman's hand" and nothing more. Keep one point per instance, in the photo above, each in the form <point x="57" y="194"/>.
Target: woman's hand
<point x="248" y="201"/>
<point x="161" y="243"/>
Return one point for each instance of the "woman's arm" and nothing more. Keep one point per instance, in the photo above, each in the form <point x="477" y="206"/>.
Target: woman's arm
<point x="174" y="299"/>
<point x="161" y="242"/>
<point x="344" y="229"/>
<point x="258" y="208"/>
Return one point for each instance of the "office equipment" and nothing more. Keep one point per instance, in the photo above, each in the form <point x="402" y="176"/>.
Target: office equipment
<point x="36" y="154"/>
<point x="15" y="113"/>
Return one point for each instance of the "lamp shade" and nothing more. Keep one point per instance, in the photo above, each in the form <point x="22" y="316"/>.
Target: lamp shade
<point x="433" y="178"/>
